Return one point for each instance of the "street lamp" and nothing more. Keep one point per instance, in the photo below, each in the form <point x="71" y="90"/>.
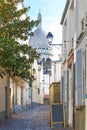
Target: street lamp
<point x="49" y="38"/>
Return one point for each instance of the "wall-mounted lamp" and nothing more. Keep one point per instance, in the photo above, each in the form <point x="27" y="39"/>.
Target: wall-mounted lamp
<point x="72" y="41"/>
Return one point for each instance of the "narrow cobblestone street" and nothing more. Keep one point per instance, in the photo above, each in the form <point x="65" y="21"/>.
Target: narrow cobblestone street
<point x="32" y="119"/>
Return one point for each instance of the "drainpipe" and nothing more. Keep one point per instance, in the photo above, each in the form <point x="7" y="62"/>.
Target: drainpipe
<point x="13" y="99"/>
<point x="86" y="94"/>
<point x="85" y="73"/>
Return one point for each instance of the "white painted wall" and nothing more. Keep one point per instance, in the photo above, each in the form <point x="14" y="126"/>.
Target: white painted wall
<point x="72" y="28"/>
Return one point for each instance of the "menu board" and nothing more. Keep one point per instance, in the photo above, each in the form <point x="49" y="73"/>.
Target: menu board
<point x="57" y="115"/>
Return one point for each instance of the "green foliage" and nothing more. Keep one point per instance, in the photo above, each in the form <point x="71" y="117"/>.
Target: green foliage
<point x="16" y="59"/>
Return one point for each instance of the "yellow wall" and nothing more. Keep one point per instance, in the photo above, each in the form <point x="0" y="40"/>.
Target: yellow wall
<point x="80" y="119"/>
<point x="55" y="92"/>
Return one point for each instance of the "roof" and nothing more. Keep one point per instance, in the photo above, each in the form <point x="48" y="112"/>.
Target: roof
<point x="38" y="39"/>
<point x="65" y="11"/>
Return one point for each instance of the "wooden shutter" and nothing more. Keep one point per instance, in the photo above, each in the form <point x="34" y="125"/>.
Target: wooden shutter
<point x="79" y="78"/>
<point x="65" y="84"/>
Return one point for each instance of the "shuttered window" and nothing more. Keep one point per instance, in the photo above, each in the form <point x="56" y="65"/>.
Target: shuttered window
<point x="62" y="88"/>
<point x="65" y="84"/>
<point x="79" y="78"/>
<point x="84" y="75"/>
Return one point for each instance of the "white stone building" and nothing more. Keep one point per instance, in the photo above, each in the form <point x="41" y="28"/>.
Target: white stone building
<point x="40" y="43"/>
<point x="56" y="63"/>
<point x="74" y="62"/>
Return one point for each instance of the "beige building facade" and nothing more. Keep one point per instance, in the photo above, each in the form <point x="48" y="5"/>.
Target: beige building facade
<point x="15" y="93"/>
<point x="4" y="96"/>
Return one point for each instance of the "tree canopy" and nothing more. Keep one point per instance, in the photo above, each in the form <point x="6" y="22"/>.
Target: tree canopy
<point x="16" y="59"/>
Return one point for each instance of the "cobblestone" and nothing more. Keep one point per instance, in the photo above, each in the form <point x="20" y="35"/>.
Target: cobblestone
<point x="33" y="119"/>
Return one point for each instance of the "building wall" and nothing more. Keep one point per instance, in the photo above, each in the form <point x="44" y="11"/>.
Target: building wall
<point x="56" y="71"/>
<point x="16" y="97"/>
<point x="81" y="14"/>
<point x="22" y="96"/>
<point x="74" y="46"/>
<point x="26" y="96"/>
<point x="80" y="119"/>
<point x="3" y="93"/>
<point x="47" y="80"/>
<point x="55" y="92"/>
<point x="35" y="85"/>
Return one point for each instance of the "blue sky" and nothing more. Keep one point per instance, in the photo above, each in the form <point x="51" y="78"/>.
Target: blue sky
<point x="51" y="11"/>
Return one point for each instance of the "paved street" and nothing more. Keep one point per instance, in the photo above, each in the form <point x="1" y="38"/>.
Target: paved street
<point x="33" y="119"/>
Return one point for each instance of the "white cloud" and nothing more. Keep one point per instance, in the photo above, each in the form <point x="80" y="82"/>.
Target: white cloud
<point x="53" y="26"/>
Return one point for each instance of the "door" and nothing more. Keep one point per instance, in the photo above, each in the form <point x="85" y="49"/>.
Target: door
<point x="6" y="102"/>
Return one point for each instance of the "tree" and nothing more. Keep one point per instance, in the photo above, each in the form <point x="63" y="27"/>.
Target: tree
<point x="16" y="59"/>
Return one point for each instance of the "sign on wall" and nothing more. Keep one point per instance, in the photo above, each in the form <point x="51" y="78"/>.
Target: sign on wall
<point x="70" y="60"/>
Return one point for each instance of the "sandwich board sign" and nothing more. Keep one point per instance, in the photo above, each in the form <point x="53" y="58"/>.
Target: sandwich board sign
<point x="57" y="118"/>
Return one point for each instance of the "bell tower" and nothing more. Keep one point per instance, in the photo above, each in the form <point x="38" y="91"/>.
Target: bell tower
<point x="39" y="18"/>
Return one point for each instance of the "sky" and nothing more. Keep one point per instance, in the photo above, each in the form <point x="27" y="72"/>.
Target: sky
<point x="51" y="11"/>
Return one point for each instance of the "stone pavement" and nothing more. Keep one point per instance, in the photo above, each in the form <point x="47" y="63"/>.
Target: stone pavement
<point x="33" y="119"/>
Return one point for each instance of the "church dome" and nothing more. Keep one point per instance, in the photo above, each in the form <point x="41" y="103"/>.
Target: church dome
<point x="38" y="39"/>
